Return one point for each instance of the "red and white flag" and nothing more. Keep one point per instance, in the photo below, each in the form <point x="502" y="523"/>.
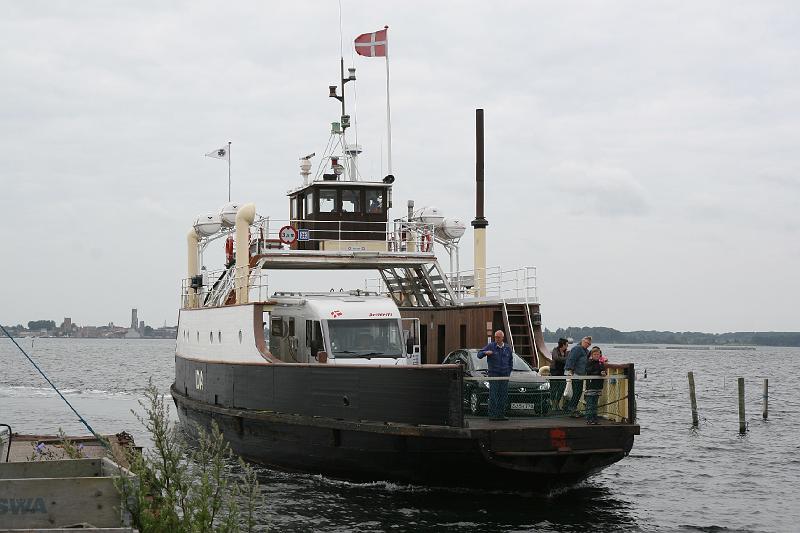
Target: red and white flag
<point x="372" y="44"/>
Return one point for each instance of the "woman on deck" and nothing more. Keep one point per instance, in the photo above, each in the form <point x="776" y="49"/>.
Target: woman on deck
<point x="594" y="387"/>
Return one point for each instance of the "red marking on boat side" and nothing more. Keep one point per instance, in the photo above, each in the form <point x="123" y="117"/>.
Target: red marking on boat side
<point x="558" y="439"/>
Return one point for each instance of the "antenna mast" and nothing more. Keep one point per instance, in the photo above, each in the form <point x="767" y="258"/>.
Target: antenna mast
<point x="350" y="151"/>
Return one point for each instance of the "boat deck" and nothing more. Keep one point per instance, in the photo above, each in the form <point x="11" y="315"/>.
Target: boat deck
<point x="341" y="259"/>
<point x="481" y="422"/>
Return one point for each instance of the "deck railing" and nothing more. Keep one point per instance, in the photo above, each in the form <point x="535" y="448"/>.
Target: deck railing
<point x="516" y="285"/>
<point x="271" y="234"/>
<point x="543" y="396"/>
<point x="218" y="288"/>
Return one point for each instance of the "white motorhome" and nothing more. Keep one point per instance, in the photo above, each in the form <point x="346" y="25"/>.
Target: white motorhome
<point x="341" y="328"/>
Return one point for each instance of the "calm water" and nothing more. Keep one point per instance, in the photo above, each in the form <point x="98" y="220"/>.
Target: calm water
<point x="676" y="478"/>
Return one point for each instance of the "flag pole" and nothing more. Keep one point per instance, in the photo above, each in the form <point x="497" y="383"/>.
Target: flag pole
<point x="229" y="171"/>
<point x="388" y="108"/>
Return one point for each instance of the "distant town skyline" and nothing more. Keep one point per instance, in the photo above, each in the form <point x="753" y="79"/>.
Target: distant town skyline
<point x="70" y="328"/>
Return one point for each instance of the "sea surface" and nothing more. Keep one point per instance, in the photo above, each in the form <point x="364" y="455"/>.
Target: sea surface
<point x="676" y="478"/>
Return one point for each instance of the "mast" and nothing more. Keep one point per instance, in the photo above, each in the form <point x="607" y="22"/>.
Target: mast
<point x="480" y="222"/>
<point x="350" y="152"/>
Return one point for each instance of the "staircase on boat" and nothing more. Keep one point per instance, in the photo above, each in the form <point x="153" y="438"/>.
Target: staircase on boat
<point x="519" y="330"/>
<point x="421" y="285"/>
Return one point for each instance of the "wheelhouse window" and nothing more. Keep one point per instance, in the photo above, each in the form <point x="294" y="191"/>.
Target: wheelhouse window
<point x="309" y="204"/>
<point x="327" y="200"/>
<point x="351" y="201"/>
<point x="365" y="338"/>
<point x="374" y="201"/>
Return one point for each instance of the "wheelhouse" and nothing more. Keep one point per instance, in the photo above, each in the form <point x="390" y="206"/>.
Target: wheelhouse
<point x="330" y="210"/>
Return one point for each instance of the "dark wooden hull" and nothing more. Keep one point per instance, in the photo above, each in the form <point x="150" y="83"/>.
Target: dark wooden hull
<point x="519" y="454"/>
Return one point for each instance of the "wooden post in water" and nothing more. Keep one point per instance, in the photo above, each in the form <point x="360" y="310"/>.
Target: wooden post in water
<point x="693" y="399"/>
<point x="766" y="398"/>
<point x="742" y="423"/>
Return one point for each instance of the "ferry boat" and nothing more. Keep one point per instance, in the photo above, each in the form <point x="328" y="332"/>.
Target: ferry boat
<point x="351" y="383"/>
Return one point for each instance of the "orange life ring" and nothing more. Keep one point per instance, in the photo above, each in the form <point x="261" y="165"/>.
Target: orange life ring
<point x="229" y="250"/>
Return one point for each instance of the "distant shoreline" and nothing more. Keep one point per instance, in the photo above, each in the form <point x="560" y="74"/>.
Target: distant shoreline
<point x="741" y="339"/>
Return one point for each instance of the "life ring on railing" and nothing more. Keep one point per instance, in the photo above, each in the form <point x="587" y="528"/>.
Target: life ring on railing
<point x="229" y="250"/>
<point x="425" y="242"/>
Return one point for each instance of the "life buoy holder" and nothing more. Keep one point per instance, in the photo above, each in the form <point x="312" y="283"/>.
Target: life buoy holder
<point x="426" y="242"/>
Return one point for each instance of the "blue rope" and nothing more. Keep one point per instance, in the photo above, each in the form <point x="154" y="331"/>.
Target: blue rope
<point x="85" y="423"/>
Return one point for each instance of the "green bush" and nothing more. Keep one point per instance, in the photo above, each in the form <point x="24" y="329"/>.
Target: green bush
<point x="180" y="488"/>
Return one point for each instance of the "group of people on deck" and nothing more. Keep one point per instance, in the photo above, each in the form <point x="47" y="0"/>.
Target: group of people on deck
<point x="579" y="361"/>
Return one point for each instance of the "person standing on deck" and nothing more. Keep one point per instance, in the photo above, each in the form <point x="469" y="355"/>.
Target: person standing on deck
<point x="576" y="366"/>
<point x="559" y="358"/>
<point x="594" y="387"/>
<point x="500" y="362"/>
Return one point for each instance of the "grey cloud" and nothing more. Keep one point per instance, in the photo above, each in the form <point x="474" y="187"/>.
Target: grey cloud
<point x="602" y="190"/>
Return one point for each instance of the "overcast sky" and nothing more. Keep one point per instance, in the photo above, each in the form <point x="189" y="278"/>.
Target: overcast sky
<point x="644" y="156"/>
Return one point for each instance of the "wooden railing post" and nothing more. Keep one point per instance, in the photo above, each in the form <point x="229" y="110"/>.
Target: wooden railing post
<point x="631" y="394"/>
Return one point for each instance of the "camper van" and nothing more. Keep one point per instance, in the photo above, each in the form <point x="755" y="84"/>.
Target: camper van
<point x="341" y="328"/>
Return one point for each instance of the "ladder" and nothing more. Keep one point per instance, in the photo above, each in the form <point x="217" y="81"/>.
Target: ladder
<point x="516" y="318"/>
<point x="418" y="286"/>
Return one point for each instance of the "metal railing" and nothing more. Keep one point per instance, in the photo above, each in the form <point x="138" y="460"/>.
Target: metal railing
<point x="219" y="288"/>
<point x="268" y="234"/>
<point x="544" y="396"/>
<point x="516" y="285"/>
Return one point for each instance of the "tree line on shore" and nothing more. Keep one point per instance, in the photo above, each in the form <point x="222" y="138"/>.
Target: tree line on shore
<point x="740" y="338"/>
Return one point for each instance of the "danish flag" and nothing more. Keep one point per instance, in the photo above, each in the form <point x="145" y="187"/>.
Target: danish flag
<point x="372" y="44"/>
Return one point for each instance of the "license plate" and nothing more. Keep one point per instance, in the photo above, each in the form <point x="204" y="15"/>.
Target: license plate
<point x="528" y="406"/>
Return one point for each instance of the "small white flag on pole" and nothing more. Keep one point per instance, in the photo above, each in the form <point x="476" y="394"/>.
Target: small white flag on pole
<point x="223" y="153"/>
<point x="219" y="153"/>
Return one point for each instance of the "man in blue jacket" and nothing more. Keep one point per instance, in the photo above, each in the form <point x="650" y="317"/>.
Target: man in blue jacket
<point x="501" y="362"/>
<point x="576" y="366"/>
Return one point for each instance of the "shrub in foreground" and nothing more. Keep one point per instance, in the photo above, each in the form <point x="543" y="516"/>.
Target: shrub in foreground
<point x="180" y="488"/>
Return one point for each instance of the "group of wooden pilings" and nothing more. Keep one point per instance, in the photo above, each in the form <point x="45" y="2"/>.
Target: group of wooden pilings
<point x="742" y="422"/>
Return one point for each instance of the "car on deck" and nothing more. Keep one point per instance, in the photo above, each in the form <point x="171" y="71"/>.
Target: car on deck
<point x="528" y="392"/>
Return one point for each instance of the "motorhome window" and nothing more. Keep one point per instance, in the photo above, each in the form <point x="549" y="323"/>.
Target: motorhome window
<point x="351" y="201"/>
<point x="276" y="327"/>
<point x="309" y="204"/>
<point x="327" y="200"/>
<point x="374" y="201"/>
<point x="365" y="338"/>
<point x="291" y="326"/>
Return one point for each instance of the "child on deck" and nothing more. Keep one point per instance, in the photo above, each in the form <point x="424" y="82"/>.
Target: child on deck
<point x="594" y="387"/>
